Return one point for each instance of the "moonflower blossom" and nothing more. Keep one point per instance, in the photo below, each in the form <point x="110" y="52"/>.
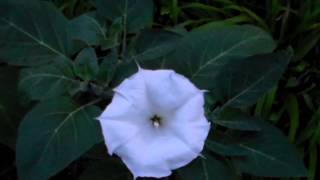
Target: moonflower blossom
<point x="155" y="122"/>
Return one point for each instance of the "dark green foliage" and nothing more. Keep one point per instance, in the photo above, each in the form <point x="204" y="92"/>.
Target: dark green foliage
<point x="207" y="168"/>
<point x="32" y="32"/>
<point x="263" y="157"/>
<point x="87" y="30"/>
<point x="54" y="134"/>
<point x="134" y="15"/>
<point x="153" y="44"/>
<point x="258" y="60"/>
<point x="200" y="54"/>
<point x="86" y="64"/>
<point x="242" y="122"/>
<point x="241" y="82"/>
<point x="47" y="81"/>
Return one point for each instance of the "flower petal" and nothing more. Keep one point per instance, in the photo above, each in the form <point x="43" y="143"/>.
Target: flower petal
<point x="189" y="123"/>
<point x="167" y="90"/>
<point x="134" y="90"/>
<point x="121" y="121"/>
<point x="117" y="133"/>
<point x="155" y="154"/>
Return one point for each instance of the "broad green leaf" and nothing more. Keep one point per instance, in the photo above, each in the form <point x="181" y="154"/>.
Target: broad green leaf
<point x="47" y="81"/>
<point x="114" y="36"/>
<point x="32" y="32"/>
<point x="224" y="144"/>
<point x="148" y="49"/>
<point x="123" y="70"/>
<point x="87" y="29"/>
<point x="270" y="154"/>
<point x="86" y="64"/>
<point x="107" y="69"/>
<point x="53" y="134"/>
<point x="242" y="82"/>
<point x="234" y="120"/>
<point x="10" y="108"/>
<point x="209" y="167"/>
<point x="152" y="44"/>
<point x="201" y="54"/>
<point x="135" y="14"/>
<point x="113" y="169"/>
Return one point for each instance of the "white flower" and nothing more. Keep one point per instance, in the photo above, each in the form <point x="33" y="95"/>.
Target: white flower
<point x="155" y="122"/>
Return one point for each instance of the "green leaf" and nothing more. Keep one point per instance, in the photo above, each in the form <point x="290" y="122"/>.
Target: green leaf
<point x="313" y="160"/>
<point x="306" y="44"/>
<point x="32" y="32"/>
<point x="292" y="107"/>
<point x="107" y="69"/>
<point x="48" y="81"/>
<point x="174" y="11"/>
<point x="249" y="13"/>
<point x="311" y="133"/>
<point x="10" y="108"/>
<point x="114" y="36"/>
<point x="232" y="119"/>
<point x="223" y="144"/>
<point x="53" y="134"/>
<point x="135" y="14"/>
<point x="112" y="168"/>
<point x="264" y="105"/>
<point x="123" y="70"/>
<point x="87" y="29"/>
<point x="204" y="8"/>
<point x="149" y="49"/>
<point x="240" y="19"/>
<point x="270" y="155"/>
<point x="242" y="82"/>
<point x="208" y="168"/>
<point x="200" y="54"/>
<point x="152" y="44"/>
<point x="86" y="64"/>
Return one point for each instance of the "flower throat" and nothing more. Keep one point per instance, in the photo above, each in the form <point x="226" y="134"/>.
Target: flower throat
<point x="156" y="121"/>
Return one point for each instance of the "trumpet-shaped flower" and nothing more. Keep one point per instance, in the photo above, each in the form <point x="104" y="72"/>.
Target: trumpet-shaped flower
<point x="155" y="122"/>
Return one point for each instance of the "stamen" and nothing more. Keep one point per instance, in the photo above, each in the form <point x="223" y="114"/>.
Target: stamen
<point x="156" y="121"/>
<point x="156" y="124"/>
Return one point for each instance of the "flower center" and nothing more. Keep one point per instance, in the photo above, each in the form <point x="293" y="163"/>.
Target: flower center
<point x="156" y="121"/>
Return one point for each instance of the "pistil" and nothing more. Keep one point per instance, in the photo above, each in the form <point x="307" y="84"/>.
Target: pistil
<point x="156" y="121"/>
